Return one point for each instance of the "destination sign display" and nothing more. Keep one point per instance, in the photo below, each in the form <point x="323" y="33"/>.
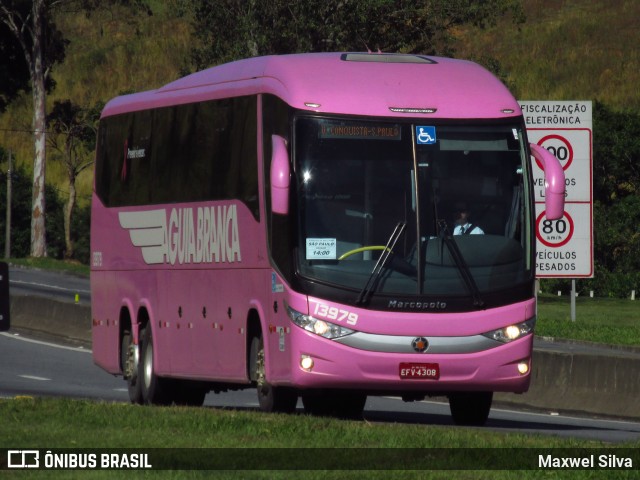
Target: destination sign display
<point x="360" y="131"/>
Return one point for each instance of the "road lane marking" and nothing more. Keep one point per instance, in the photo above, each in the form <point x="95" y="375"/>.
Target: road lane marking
<point x="16" y="336"/>
<point x="52" y="287"/>
<point x="33" y="377"/>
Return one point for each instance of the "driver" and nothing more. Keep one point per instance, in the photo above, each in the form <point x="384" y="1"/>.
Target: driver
<point x="464" y="225"/>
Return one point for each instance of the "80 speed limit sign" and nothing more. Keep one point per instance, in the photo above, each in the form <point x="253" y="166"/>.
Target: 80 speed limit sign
<point x="554" y="233"/>
<point x="564" y="246"/>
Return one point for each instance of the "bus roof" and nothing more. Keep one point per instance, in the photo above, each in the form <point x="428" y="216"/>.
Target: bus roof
<point x="389" y="85"/>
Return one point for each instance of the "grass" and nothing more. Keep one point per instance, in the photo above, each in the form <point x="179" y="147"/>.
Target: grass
<point x="74" y="267"/>
<point x="565" y="51"/>
<point x="599" y="320"/>
<point x="77" y="424"/>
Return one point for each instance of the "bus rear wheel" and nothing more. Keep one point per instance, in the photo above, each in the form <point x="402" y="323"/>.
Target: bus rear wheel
<point x="155" y="390"/>
<point x="129" y="361"/>
<point x="270" y="398"/>
<point x="470" y="408"/>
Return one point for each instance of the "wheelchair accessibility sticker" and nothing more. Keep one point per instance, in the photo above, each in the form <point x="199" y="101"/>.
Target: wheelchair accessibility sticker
<point x="425" y="135"/>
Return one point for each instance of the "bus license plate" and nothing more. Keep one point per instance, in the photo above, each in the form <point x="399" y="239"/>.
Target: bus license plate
<point x="423" y="371"/>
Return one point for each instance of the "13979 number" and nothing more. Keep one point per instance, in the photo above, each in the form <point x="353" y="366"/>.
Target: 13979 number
<point x="334" y="313"/>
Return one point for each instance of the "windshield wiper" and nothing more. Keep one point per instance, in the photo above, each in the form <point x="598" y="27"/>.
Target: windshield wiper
<point x="381" y="264"/>
<point x="461" y="263"/>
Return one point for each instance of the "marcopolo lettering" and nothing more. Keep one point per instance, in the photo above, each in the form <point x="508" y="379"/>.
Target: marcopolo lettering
<point x="396" y="304"/>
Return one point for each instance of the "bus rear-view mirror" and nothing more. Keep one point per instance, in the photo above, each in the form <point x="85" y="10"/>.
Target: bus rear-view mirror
<point x="554" y="185"/>
<point x="280" y="175"/>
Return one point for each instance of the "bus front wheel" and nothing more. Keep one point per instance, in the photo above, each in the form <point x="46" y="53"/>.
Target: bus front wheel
<point x="270" y="398"/>
<point x="470" y="408"/>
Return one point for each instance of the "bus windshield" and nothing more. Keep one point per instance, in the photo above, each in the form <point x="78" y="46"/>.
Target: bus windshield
<point x="458" y="192"/>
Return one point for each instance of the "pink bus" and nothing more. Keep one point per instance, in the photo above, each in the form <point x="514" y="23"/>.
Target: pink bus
<point x="290" y="223"/>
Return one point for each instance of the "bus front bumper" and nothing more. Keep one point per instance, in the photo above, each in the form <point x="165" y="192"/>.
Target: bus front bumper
<point x="317" y="362"/>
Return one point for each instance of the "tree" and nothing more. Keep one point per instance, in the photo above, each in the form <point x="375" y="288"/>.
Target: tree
<point x="72" y="132"/>
<point x="617" y="154"/>
<point x="42" y="46"/>
<point x="14" y="75"/>
<point x="616" y="189"/>
<point x="233" y="29"/>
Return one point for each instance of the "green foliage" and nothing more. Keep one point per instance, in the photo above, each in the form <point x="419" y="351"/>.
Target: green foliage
<point x="617" y="201"/>
<point x="616" y="153"/>
<point x="617" y="234"/>
<point x="14" y="74"/>
<point x="16" y="38"/>
<point x="229" y="30"/>
<point x="21" y="218"/>
<point x="565" y="51"/>
<point x="80" y="232"/>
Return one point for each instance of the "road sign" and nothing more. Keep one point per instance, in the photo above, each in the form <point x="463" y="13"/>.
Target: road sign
<point x="564" y="246"/>
<point x="573" y="149"/>
<point x="554" y="233"/>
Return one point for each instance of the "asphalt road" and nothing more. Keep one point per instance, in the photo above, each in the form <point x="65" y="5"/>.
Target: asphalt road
<point x="52" y="285"/>
<point x="31" y="367"/>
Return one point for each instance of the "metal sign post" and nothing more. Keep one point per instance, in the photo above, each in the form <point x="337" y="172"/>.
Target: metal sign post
<point x="5" y="301"/>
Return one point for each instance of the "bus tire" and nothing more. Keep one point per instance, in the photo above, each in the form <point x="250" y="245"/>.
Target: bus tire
<point x="155" y="390"/>
<point x="470" y="408"/>
<point x="129" y="363"/>
<point x="270" y="398"/>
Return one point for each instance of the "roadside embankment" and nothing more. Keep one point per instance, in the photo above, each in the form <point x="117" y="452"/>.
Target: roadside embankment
<point x="599" y="384"/>
<point x="42" y="316"/>
<point x="598" y="381"/>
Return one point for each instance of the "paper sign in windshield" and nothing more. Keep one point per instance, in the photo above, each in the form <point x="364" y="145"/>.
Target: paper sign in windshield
<point x="321" y="248"/>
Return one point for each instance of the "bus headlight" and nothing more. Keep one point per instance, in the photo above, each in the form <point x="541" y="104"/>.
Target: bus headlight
<point x="319" y="327"/>
<point x="512" y="332"/>
<point x="523" y="368"/>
